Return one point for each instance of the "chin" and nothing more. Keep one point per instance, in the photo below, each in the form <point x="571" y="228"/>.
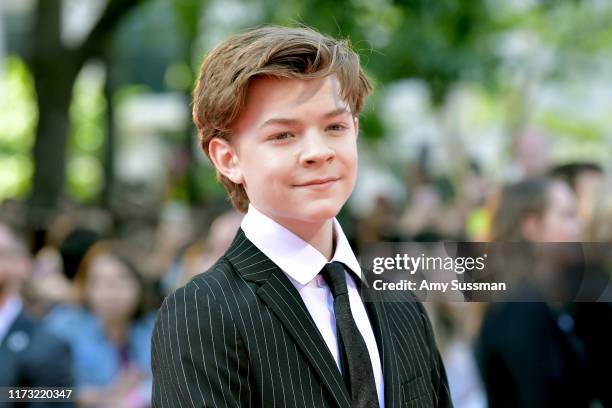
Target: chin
<point x="317" y="212"/>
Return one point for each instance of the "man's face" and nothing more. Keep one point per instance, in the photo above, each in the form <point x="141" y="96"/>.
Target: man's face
<point x="560" y="222"/>
<point x="14" y="262"/>
<point x="295" y="146"/>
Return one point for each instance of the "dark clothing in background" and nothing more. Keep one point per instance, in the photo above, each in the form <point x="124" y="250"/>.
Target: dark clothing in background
<point x="594" y="328"/>
<point x="532" y="356"/>
<point x="32" y="357"/>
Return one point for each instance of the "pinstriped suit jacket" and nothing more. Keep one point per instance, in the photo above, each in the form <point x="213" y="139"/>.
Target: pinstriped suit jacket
<point x="239" y="335"/>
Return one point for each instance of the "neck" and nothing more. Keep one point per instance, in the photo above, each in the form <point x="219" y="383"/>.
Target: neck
<point x="116" y="330"/>
<point x="319" y="235"/>
<point x="4" y="296"/>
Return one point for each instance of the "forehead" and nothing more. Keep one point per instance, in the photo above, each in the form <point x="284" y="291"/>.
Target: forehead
<point x="106" y="265"/>
<point x="269" y="97"/>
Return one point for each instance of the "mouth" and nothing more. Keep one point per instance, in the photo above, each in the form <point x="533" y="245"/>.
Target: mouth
<point x="322" y="182"/>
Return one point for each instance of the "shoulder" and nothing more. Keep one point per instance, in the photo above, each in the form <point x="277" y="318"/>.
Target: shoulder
<point x="62" y="320"/>
<point x="207" y="299"/>
<point x="212" y="284"/>
<point x="39" y="344"/>
<point x="217" y="280"/>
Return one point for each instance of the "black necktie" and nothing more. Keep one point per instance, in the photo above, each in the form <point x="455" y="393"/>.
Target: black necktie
<point x="362" y="386"/>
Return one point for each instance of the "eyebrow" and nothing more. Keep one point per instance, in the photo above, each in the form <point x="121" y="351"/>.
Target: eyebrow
<point x="291" y="121"/>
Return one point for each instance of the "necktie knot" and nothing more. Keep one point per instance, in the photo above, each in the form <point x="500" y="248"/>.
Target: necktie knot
<point x="334" y="276"/>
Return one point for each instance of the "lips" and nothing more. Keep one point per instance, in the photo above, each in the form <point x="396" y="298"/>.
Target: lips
<point x="318" y="182"/>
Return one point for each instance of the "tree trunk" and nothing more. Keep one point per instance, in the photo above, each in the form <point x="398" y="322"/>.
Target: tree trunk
<point x="108" y="160"/>
<point x="53" y="84"/>
<point x="55" y="69"/>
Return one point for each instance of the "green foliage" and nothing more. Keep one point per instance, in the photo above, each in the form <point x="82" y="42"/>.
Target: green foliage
<point x="563" y="126"/>
<point x="126" y="92"/>
<point x="179" y="76"/>
<point x="18" y="111"/>
<point x="188" y="13"/>
<point x="86" y="139"/>
<point x="85" y="177"/>
<point x="206" y="182"/>
<point x="18" y="118"/>
<point x="15" y="175"/>
<point x="440" y="41"/>
<point x="370" y="126"/>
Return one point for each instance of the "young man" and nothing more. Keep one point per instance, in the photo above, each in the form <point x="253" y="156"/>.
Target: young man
<point x="278" y="320"/>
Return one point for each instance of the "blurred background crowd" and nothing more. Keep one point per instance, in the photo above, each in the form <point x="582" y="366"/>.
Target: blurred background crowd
<point x="491" y="121"/>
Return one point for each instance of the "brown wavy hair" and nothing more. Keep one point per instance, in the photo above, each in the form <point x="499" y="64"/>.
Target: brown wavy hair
<point x="281" y="52"/>
<point x="516" y="201"/>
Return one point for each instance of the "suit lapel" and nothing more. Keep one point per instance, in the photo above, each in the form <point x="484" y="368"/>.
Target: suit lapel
<point x="279" y="294"/>
<point x="15" y="341"/>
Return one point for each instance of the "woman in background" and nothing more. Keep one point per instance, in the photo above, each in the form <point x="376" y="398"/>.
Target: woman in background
<point x="109" y="333"/>
<point x="530" y="354"/>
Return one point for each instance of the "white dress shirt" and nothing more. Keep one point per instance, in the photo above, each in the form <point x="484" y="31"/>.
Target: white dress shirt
<point x="8" y="313"/>
<point x="301" y="262"/>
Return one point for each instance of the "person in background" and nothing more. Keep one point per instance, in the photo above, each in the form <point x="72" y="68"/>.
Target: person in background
<point x="54" y="269"/>
<point x="600" y="228"/>
<point x="532" y="155"/>
<point x="591" y="317"/>
<point x="586" y="180"/>
<point x="29" y="355"/>
<point x="530" y="354"/>
<point x="202" y="254"/>
<point x="110" y="334"/>
<point x="458" y="324"/>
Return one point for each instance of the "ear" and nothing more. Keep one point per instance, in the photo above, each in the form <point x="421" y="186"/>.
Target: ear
<point x="356" y="123"/>
<point x="224" y="158"/>
<point x="530" y="227"/>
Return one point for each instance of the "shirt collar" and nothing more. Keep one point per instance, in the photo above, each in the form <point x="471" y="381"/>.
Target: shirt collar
<point x="296" y="257"/>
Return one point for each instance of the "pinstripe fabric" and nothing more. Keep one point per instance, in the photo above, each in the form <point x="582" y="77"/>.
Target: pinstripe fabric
<point x="240" y="335"/>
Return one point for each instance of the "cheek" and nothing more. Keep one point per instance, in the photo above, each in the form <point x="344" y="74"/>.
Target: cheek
<point x="265" y="173"/>
<point x="558" y="227"/>
<point x="97" y="297"/>
<point x="128" y="297"/>
<point x="349" y="159"/>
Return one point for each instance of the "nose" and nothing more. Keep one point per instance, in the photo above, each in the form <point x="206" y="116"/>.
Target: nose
<point x="316" y="149"/>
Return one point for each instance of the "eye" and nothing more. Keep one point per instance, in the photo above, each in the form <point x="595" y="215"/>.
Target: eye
<point x="336" y="127"/>
<point x="281" y="136"/>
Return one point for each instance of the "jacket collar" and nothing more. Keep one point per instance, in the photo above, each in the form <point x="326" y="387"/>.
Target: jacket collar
<point x="279" y="294"/>
<point x="294" y="256"/>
